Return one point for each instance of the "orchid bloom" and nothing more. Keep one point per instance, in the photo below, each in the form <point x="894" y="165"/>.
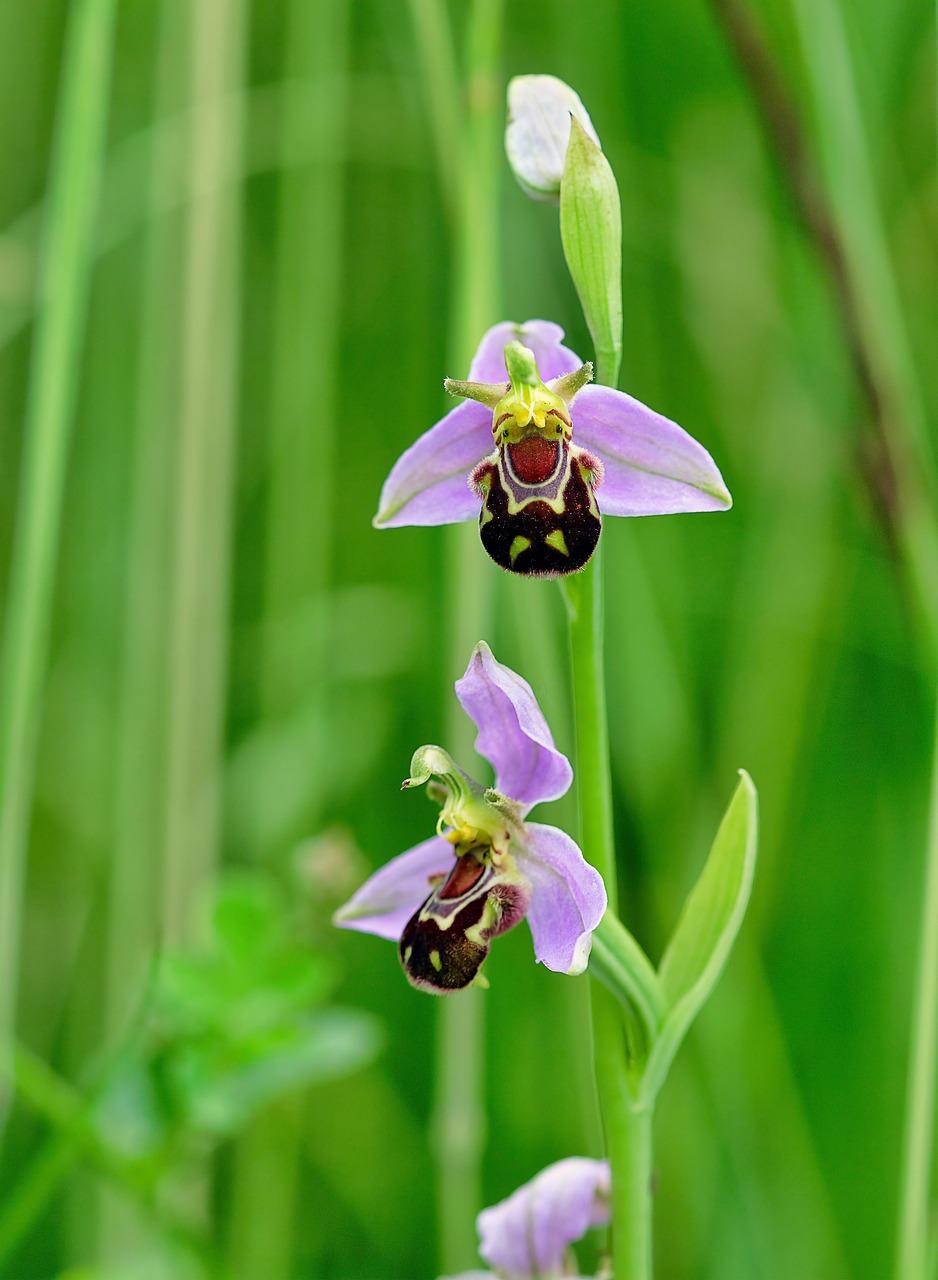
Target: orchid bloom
<point x="528" y="1236"/>
<point x="565" y="454"/>
<point x="487" y="867"/>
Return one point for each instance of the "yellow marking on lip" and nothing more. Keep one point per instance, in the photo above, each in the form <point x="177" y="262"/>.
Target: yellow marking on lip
<point x="558" y="542"/>
<point x="519" y="544"/>
<point x="436" y="961"/>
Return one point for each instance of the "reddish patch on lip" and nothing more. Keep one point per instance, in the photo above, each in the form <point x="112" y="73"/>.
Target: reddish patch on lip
<point x="462" y="877"/>
<point x="533" y="460"/>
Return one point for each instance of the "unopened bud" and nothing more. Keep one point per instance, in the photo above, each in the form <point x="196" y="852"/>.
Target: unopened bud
<point x="538" y="130"/>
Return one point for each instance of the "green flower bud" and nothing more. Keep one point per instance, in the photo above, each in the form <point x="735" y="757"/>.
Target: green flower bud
<point x="591" y="231"/>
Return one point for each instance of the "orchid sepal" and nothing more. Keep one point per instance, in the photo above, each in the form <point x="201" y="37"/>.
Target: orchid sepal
<point x="569" y="384"/>
<point x="487" y="393"/>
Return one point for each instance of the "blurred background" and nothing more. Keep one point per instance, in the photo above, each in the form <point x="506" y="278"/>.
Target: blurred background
<point x="226" y="306"/>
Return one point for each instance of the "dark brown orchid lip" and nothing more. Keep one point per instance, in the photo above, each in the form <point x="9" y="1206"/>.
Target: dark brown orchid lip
<point x="445" y="942"/>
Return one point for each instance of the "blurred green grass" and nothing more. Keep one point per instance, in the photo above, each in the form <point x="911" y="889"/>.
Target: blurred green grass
<point x="774" y="637"/>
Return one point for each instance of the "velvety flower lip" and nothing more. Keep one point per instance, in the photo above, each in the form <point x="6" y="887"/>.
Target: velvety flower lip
<point x="488" y="866"/>
<point x="651" y="465"/>
<point x="527" y="1236"/>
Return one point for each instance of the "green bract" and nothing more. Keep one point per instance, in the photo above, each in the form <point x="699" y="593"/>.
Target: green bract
<point x="591" y="231"/>
<point x="662" y="1005"/>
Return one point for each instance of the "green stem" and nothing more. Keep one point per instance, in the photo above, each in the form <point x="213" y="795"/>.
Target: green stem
<point x="913" y="1239"/>
<point x="879" y="322"/>
<point x="440" y="78"/>
<point x="201" y="555"/>
<point x="140" y="771"/>
<point x="133" y="913"/>
<point x="306" y="299"/>
<point x="627" y="1127"/>
<point x="74" y="181"/>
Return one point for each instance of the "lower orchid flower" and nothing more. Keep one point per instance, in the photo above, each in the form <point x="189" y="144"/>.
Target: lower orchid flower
<point x="565" y="454"/>
<point x="528" y="1236"/>
<point x="488" y="867"/>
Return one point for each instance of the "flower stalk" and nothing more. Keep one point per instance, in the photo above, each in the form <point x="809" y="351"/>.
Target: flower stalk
<point x="912" y="1251"/>
<point x="627" y="1127"/>
<point x="81" y="121"/>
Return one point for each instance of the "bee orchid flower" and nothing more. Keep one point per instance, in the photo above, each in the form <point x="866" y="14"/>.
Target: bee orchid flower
<point x="539" y="463"/>
<point x="528" y="1236"/>
<point x="488" y="867"/>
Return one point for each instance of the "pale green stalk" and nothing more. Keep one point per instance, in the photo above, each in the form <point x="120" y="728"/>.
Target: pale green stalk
<point x="915" y="1206"/>
<point x="201" y="552"/>
<point x="132" y="923"/>
<point x="64" y="284"/>
<point x="851" y="185"/>
<point x="626" y="1125"/>
<point x="440" y="78"/>
<point x="305" y="376"/>
<point x="468" y="154"/>
<point x="459" y="1107"/>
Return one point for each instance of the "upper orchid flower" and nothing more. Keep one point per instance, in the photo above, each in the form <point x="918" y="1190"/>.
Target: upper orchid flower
<point x="487" y="867"/>
<point x="565" y="454"/>
<point x="528" y="1236"/>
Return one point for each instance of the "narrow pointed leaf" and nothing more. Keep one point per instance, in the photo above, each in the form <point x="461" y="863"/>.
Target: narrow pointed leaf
<point x="708" y="926"/>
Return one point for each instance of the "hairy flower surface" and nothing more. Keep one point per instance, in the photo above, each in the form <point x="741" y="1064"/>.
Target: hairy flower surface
<point x="528" y="1236"/>
<point x="488" y="867"/>
<point x="565" y="454"/>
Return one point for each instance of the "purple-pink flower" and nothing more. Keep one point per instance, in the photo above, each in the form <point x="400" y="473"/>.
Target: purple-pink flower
<point x="538" y="463"/>
<point x="528" y="1236"/>
<point x="488" y="866"/>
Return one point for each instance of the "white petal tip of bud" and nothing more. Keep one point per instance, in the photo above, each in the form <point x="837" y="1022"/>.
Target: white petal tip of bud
<point x="538" y="130"/>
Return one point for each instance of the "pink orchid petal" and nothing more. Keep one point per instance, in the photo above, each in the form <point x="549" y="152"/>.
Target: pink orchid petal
<point x="529" y="1233"/>
<point x="542" y="336"/>
<point x="568" y="898"/>
<point x="387" y="900"/>
<point x="513" y="734"/>
<point x="652" y="466"/>
<point x="429" y="483"/>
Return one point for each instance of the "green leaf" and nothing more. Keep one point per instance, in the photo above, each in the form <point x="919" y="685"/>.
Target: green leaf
<point x="247" y="916"/>
<point x="224" y="1085"/>
<point x="708" y="926"/>
<point x="591" y="231"/>
<point x="622" y="967"/>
